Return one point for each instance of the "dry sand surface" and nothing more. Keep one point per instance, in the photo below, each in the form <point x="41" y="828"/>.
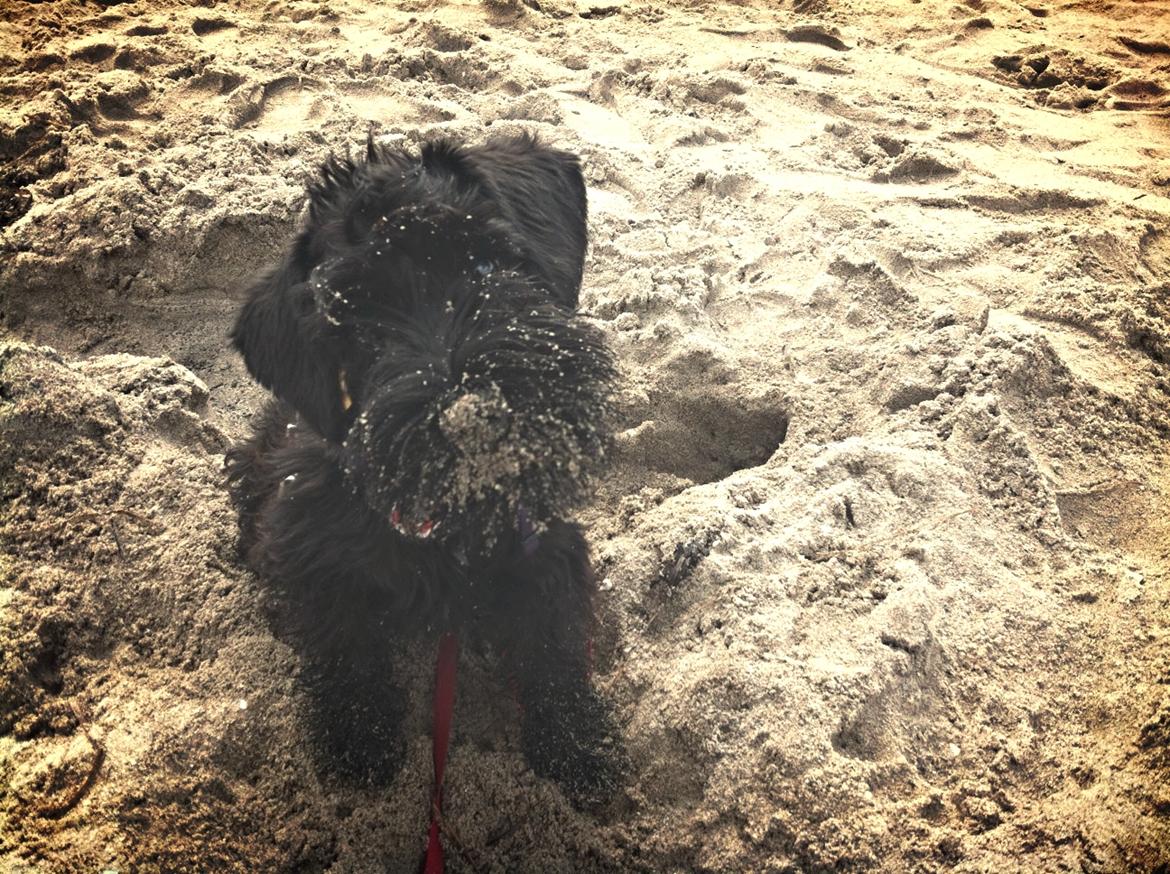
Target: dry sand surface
<point x="886" y="571"/>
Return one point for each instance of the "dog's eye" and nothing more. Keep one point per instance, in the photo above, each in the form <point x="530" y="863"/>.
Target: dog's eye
<point x="484" y="268"/>
<point x="343" y="385"/>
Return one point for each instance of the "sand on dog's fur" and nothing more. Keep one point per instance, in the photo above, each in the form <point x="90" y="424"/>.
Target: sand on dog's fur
<point x="883" y="555"/>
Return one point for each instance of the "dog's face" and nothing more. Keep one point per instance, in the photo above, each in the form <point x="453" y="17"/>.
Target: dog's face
<point x="423" y="322"/>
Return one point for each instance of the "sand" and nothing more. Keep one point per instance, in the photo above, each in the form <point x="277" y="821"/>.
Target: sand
<point x="883" y="552"/>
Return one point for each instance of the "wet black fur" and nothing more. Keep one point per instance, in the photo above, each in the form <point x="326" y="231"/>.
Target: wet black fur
<point x="422" y="276"/>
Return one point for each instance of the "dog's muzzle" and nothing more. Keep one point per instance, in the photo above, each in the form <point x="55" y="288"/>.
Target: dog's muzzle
<point x="467" y="414"/>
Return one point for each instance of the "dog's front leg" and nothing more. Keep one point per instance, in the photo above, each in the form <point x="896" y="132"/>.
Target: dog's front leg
<point x="355" y="707"/>
<point x="567" y="728"/>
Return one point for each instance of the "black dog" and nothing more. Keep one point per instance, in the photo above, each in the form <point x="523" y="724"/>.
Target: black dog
<point x="439" y="408"/>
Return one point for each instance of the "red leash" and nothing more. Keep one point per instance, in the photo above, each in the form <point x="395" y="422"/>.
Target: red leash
<point x="444" y="703"/>
<point x="444" y="708"/>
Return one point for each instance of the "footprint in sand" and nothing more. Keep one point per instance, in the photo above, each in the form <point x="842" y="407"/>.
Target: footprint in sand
<point x="203" y="26"/>
<point x="272" y="109"/>
<point x="1062" y="81"/>
<point x="121" y="102"/>
<point x="93" y="53"/>
<point x="147" y="30"/>
<point x="682" y="90"/>
<point x="917" y="164"/>
<point x="1137" y="94"/>
<point x="465" y="71"/>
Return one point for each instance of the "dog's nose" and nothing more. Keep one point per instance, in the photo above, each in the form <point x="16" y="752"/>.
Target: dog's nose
<point x="477" y="421"/>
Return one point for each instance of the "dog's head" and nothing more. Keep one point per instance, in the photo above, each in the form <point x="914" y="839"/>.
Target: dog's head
<point x="423" y="321"/>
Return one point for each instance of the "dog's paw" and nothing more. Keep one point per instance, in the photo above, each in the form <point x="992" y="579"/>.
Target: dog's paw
<point x="358" y="744"/>
<point x="575" y="742"/>
<point x="360" y="763"/>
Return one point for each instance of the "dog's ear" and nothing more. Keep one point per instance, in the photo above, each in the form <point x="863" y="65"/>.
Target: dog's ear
<point x="541" y="193"/>
<point x="337" y="179"/>
<point x="278" y="333"/>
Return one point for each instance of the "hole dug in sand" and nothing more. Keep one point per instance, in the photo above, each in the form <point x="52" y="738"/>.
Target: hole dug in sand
<point x="706" y="439"/>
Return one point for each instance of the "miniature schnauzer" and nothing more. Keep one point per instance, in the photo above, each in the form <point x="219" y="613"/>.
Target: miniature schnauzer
<point x="438" y="409"/>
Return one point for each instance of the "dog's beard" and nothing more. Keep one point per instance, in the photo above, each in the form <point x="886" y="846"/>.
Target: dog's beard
<point x="505" y="412"/>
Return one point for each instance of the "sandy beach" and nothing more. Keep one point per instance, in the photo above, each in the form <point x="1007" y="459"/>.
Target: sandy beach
<point x="885" y="572"/>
